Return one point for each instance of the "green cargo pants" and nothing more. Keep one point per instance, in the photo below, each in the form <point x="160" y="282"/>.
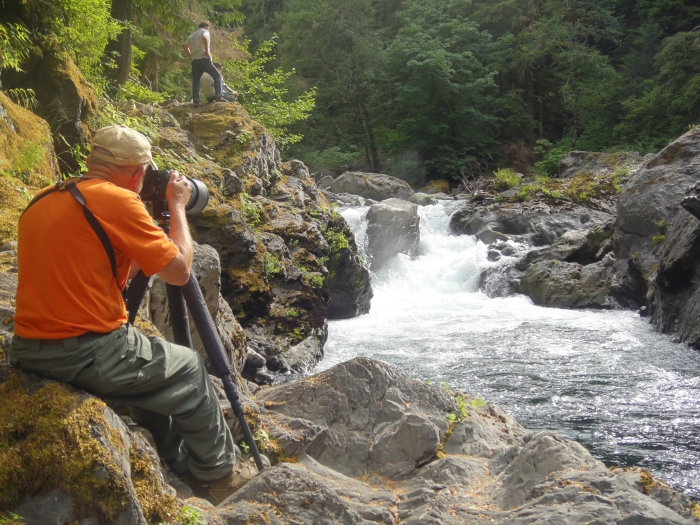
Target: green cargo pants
<point x="165" y="385"/>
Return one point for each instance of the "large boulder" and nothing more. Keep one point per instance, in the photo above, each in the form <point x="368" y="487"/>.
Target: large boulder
<point x="27" y="160"/>
<point x="568" y="285"/>
<point x="449" y="459"/>
<point x="393" y="227"/>
<point x="576" y="162"/>
<point x="348" y="276"/>
<point x="67" y="458"/>
<point x="647" y="206"/>
<point x="374" y="186"/>
<point x="674" y="293"/>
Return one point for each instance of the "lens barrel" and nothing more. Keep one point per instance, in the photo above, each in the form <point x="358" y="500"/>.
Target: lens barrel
<point x="199" y="197"/>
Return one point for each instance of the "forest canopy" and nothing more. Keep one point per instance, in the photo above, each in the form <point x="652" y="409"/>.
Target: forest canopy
<point x="421" y="90"/>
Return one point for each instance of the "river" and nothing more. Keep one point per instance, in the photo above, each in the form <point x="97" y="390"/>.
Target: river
<point x="603" y="378"/>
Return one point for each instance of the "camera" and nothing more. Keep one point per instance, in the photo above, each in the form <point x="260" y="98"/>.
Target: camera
<point x="155" y="181"/>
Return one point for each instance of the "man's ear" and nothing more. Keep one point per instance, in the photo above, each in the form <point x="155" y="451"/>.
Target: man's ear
<point x="136" y="177"/>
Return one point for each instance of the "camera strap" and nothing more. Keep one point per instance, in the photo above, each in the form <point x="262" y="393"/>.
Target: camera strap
<point x="91" y="219"/>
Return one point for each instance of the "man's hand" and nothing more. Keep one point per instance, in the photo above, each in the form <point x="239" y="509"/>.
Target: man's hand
<point x="178" y="190"/>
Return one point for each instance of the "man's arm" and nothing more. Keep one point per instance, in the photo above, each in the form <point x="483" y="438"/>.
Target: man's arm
<point x="177" y="271"/>
<point x="186" y="49"/>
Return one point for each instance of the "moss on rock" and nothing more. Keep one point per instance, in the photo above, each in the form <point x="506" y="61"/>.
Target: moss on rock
<point x="48" y="441"/>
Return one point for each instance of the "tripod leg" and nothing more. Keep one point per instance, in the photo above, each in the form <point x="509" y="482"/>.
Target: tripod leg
<point x="178" y="316"/>
<point x="135" y="293"/>
<point x="218" y="359"/>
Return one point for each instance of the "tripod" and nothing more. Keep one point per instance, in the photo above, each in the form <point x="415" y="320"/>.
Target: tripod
<point x="190" y="296"/>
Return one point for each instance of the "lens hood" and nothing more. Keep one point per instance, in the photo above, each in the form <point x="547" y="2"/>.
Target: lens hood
<point x="199" y="197"/>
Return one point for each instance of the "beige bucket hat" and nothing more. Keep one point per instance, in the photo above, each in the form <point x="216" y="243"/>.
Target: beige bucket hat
<point x="127" y="146"/>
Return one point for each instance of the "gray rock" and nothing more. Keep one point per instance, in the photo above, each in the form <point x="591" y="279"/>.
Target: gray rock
<point x="325" y="182"/>
<point x="576" y="162"/>
<point x="647" y="206"/>
<point x="568" y="285"/>
<point x="376" y="420"/>
<point x="348" y="276"/>
<point x="392" y="228"/>
<point x="232" y="184"/>
<point x="371" y="186"/>
<point x="536" y="222"/>
<point x="422" y="199"/>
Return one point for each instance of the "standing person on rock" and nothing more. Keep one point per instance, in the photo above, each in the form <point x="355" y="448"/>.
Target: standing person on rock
<point x="78" y="244"/>
<point x="197" y="48"/>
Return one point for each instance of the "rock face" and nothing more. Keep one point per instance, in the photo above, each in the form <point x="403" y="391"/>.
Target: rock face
<point x="674" y="292"/>
<point x="374" y="186"/>
<point x="576" y="162"/>
<point x="648" y="205"/>
<point x="393" y="226"/>
<point x="284" y="253"/>
<point x="360" y="429"/>
<point x="537" y="223"/>
<point x="348" y="276"/>
<point x="65" y="98"/>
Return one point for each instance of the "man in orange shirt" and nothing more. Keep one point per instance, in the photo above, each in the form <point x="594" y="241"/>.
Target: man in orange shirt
<point x="71" y="321"/>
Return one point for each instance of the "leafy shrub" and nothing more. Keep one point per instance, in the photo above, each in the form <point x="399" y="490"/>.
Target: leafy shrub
<point x="264" y="95"/>
<point x="549" y="165"/>
<point x="508" y="178"/>
<point x="133" y="90"/>
<point x="272" y="265"/>
<point x="336" y="240"/>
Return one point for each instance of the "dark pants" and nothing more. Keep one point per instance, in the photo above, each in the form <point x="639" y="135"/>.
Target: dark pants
<point x="199" y="67"/>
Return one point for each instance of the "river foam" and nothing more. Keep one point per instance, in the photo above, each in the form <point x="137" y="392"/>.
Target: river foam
<point x="603" y="378"/>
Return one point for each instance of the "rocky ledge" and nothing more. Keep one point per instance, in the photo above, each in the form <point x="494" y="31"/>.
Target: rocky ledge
<point x="357" y="444"/>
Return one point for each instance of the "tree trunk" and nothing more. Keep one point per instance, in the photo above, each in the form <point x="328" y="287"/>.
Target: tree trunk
<point x="119" y="50"/>
<point x="530" y="104"/>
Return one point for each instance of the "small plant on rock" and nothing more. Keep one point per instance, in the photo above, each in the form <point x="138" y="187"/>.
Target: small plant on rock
<point x="272" y="265"/>
<point x="507" y="178"/>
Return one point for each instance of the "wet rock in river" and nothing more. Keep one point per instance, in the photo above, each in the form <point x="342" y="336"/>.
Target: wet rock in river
<point x="392" y="228"/>
<point x="374" y="186"/>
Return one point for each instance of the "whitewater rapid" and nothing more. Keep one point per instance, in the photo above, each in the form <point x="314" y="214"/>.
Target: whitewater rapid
<point x="603" y="378"/>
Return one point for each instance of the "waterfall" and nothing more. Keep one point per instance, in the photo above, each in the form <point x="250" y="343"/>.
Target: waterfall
<point x="603" y="378"/>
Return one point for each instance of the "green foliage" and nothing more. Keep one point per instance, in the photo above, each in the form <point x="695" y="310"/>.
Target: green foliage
<point x="507" y="177"/>
<point x="24" y="97"/>
<point x="336" y="240"/>
<point x="272" y="264"/>
<point x="292" y="312"/>
<point x="478" y="402"/>
<point x="14" y="45"/>
<point x="185" y="516"/>
<point x="30" y="156"/>
<point x="662" y="225"/>
<point x="244" y="446"/>
<point x="265" y="96"/>
<point x="10" y="518"/>
<point x="658" y="239"/>
<point x="550" y="156"/>
<point x="133" y="90"/>
<point x="251" y="211"/>
<point x="298" y="335"/>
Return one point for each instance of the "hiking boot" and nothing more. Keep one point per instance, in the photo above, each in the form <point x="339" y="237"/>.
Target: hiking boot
<point x="196" y="485"/>
<point x="197" y="104"/>
<point x="218" y="490"/>
<point x="220" y="99"/>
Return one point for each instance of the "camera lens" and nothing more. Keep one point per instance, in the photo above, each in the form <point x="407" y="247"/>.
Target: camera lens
<point x="199" y="197"/>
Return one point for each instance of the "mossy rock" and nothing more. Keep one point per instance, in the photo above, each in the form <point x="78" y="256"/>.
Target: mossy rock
<point x="65" y="98"/>
<point x="60" y="445"/>
<point x="436" y="186"/>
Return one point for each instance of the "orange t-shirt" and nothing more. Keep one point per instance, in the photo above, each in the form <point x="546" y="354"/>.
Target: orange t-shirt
<point x="66" y="287"/>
